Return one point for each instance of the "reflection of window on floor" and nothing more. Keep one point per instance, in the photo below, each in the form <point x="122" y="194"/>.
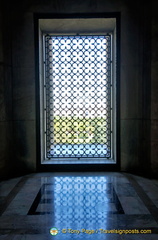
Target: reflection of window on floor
<point x="78" y="199"/>
<point x="78" y="96"/>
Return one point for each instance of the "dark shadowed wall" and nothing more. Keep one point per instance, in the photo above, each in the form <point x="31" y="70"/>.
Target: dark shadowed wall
<point x="138" y="81"/>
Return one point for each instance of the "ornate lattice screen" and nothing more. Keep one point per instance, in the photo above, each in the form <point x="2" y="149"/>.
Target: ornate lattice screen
<point x="78" y="93"/>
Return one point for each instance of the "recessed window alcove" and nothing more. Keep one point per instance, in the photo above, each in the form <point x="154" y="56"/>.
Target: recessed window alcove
<point x="77" y="95"/>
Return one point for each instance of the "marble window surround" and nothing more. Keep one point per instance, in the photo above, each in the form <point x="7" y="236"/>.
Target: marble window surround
<point x="71" y="26"/>
<point x="138" y="197"/>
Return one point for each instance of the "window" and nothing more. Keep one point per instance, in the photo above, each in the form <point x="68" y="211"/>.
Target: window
<point x="78" y="90"/>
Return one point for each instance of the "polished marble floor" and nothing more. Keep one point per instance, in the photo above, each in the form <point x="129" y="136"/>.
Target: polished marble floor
<point x="99" y="206"/>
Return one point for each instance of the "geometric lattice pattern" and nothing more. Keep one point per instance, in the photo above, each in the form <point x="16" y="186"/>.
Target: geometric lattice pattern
<point x="78" y="96"/>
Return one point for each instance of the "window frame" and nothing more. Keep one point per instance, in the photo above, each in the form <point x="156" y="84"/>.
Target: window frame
<point x="40" y="143"/>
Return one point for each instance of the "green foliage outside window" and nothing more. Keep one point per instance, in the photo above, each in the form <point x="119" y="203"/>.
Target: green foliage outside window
<point x="78" y="130"/>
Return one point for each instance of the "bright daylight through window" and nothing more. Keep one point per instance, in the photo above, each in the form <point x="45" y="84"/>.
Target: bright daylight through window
<point x="78" y="96"/>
